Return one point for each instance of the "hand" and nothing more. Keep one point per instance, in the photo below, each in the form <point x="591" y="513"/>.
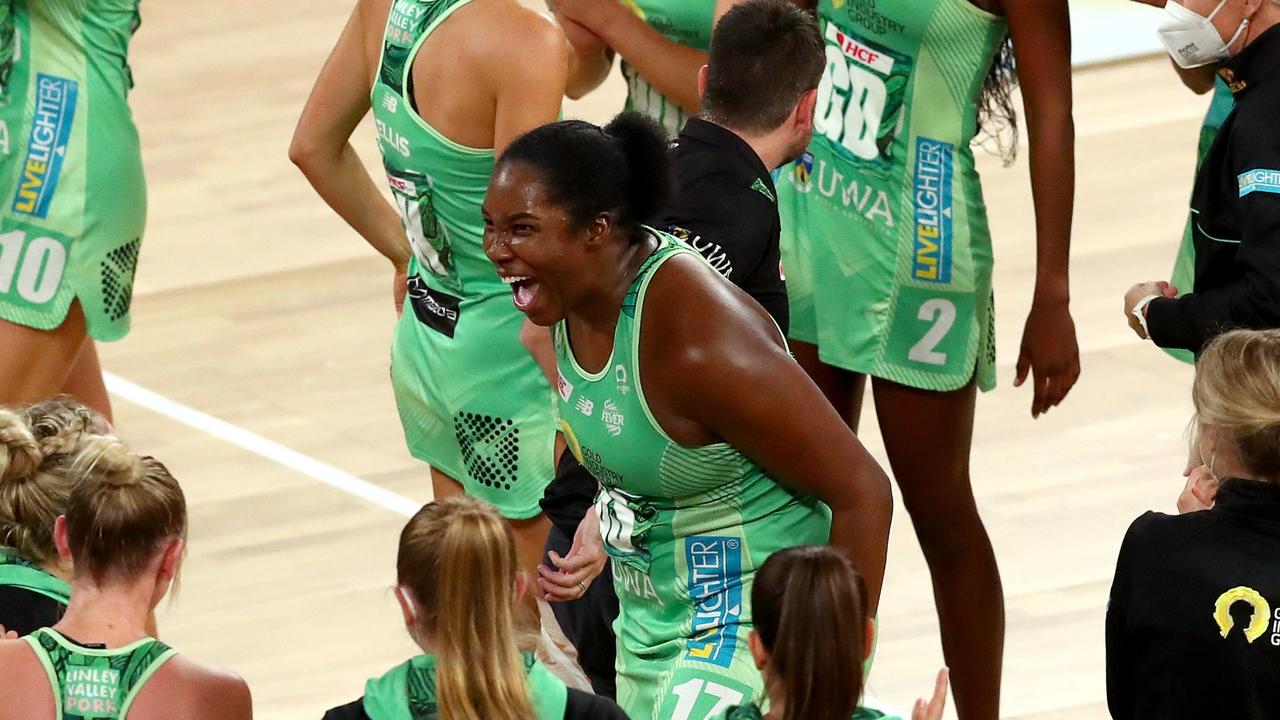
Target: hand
<point x="574" y="573"/>
<point x="399" y="288"/>
<point x="1135" y="295"/>
<point x="8" y="634"/>
<point x="1050" y="353"/>
<point x="933" y="709"/>
<point x="590" y="14"/>
<point x="1200" y="491"/>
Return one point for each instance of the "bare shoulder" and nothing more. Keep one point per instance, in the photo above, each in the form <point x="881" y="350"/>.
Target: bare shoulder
<point x="697" y="316"/>
<point x="23" y="683"/>
<point x="204" y="691"/>
<point x="521" y="34"/>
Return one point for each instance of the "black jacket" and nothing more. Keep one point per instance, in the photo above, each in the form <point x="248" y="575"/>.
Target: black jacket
<point x="1235" y="213"/>
<point x="1193" y="627"/>
<point x="726" y="207"/>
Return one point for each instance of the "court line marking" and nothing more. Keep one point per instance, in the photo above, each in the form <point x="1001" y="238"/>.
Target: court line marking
<point x="261" y="446"/>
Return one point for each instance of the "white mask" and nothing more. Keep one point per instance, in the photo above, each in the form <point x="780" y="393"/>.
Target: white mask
<point x="1192" y="40"/>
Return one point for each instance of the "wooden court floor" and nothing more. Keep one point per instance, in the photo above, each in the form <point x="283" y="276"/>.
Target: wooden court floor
<point x="259" y="319"/>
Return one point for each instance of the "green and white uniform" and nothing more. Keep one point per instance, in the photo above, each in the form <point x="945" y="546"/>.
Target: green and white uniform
<point x="472" y="400"/>
<point x="1184" y="267"/>
<point x="19" y="573"/>
<point x="99" y="684"/>
<point x="884" y="230"/>
<point x="408" y="691"/>
<point x="73" y="201"/>
<point x="752" y="712"/>
<point x="685" y="22"/>
<point x="686" y="528"/>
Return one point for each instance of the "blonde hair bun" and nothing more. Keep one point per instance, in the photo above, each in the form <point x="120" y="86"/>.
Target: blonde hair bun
<point x="111" y="459"/>
<point x="20" y="454"/>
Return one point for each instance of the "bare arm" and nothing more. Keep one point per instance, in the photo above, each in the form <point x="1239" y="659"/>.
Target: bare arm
<point x="590" y="59"/>
<point x="529" y="72"/>
<point x="670" y="67"/>
<point x="321" y="146"/>
<point x="1042" y="45"/>
<point x="724" y="370"/>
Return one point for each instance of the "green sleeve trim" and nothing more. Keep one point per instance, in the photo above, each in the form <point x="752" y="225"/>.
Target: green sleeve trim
<point x="45" y="661"/>
<point x="143" y="678"/>
<point x="404" y="83"/>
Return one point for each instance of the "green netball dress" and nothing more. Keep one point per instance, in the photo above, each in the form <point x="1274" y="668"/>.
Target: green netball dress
<point x="1184" y="267"/>
<point x="686" y="22"/>
<point x="408" y="691"/>
<point x="472" y="400"/>
<point x="73" y="201"/>
<point x="96" y="684"/>
<point x="17" y="572"/>
<point x="884" y="231"/>
<point x="686" y="529"/>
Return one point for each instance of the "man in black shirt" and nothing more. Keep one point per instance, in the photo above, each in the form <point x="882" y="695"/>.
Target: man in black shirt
<point x="1235" y="206"/>
<point x="758" y="92"/>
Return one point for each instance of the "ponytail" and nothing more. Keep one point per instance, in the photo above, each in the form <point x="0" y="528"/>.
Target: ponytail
<point x="623" y="169"/>
<point x="809" y="607"/>
<point x="457" y="559"/>
<point x="648" y="179"/>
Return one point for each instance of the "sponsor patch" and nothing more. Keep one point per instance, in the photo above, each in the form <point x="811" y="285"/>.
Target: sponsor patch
<point x="931" y="196"/>
<point x="858" y="52"/>
<point x="763" y="189"/>
<point x="92" y="692"/>
<point x="55" y="109"/>
<point x="564" y="387"/>
<point x="1259" y="608"/>
<point x="715" y="586"/>
<point x="435" y="309"/>
<point x="1259" y="180"/>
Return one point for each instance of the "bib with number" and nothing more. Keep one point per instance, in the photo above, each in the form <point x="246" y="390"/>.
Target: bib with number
<point x="883" y="219"/>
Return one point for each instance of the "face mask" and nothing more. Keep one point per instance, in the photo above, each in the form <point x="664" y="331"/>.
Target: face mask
<point x="1192" y="40"/>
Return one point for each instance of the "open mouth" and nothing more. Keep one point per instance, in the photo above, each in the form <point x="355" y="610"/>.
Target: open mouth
<point x="524" y="290"/>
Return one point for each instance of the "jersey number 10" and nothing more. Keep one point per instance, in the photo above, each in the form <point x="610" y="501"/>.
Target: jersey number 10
<point x="37" y="265"/>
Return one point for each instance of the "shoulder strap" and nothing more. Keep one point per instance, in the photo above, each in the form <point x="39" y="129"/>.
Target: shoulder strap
<point x="408" y="25"/>
<point x="549" y="694"/>
<point x="43" y="646"/>
<point x="139" y="666"/>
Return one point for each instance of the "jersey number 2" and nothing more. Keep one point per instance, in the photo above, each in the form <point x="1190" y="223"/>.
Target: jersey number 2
<point x="942" y="313"/>
<point x="38" y="266"/>
<point x="690" y="692"/>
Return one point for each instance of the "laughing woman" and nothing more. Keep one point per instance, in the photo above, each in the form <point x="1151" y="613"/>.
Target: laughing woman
<point x="713" y="447"/>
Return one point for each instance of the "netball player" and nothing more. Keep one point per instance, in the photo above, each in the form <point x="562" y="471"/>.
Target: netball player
<point x="37" y="447"/>
<point x="73" y="201"/>
<point x="888" y="260"/>
<point x="713" y="447"/>
<point x="457" y="580"/>
<point x="450" y="83"/>
<point x="811" y="638"/>
<point x="123" y="533"/>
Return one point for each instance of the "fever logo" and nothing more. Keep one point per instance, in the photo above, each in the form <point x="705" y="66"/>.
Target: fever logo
<point x="1257" y="622"/>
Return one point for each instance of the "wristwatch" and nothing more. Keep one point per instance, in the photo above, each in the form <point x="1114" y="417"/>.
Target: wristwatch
<point x="1139" y="313"/>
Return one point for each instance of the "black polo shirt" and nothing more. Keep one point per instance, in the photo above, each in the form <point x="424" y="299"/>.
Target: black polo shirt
<point x="726" y="207"/>
<point x="1193" y="627"/>
<point x="1235" y="213"/>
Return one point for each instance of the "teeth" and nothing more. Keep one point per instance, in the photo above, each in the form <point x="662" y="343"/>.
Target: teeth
<point x="513" y="279"/>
